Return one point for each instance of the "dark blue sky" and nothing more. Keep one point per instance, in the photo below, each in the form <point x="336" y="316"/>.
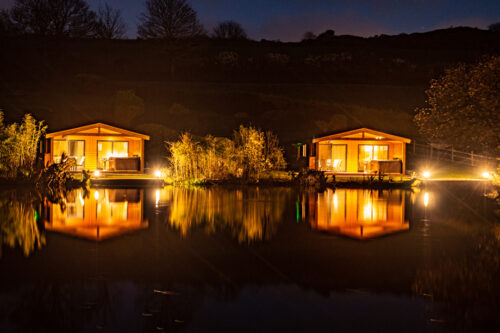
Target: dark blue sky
<point x="289" y="19"/>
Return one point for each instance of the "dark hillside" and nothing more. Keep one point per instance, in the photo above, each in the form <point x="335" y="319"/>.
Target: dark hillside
<point x="296" y="89"/>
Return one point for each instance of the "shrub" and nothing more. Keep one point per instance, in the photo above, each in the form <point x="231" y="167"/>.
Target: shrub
<point x="247" y="155"/>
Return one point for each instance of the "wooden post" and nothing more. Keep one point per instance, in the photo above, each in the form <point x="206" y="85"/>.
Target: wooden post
<point x="452" y="154"/>
<point x="414" y="147"/>
<point x="142" y="156"/>
<point x="472" y="158"/>
<point x="430" y="145"/>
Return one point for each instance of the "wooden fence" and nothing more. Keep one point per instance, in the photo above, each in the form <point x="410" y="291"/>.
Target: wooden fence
<point x="435" y="152"/>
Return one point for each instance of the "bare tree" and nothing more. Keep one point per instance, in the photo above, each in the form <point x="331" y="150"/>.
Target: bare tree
<point x="169" y="19"/>
<point x="229" y="30"/>
<point x="110" y="24"/>
<point x="57" y="18"/>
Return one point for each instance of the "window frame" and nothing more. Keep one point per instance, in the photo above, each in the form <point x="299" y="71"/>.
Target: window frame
<point x="372" y="145"/>
<point x="112" y="149"/>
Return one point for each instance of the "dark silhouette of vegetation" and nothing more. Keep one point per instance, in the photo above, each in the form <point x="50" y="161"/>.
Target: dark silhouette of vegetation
<point x="56" y="178"/>
<point x="169" y="19"/>
<point x="327" y="35"/>
<point x="53" y="18"/>
<point x="7" y="27"/>
<point x="127" y="106"/>
<point x="229" y="30"/>
<point x="248" y="155"/>
<point x="297" y="90"/>
<point x="494" y="27"/>
<point x="463" y="107"/>
<point x="109" y="24"/>
<point x="309" y="35"/>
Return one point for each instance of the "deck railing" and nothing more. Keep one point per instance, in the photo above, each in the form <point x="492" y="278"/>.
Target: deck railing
<point x="441" y="153"/>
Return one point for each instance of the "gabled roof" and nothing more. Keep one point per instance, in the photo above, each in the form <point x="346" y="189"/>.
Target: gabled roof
<point x="97" y="129"/>
<point x="362" y="134"/>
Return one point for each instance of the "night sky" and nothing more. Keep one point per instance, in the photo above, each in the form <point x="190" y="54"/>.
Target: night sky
<point x="287" y="20"/>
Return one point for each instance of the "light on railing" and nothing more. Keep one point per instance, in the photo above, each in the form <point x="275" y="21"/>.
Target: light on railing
<point x="426" y="174"/>
<point x="486" y="174"/>
<point x="158" y="173"/>
<point x="97" y="173"/>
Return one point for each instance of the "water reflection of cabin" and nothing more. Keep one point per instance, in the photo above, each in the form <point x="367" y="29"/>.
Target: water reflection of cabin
<point x="359" y="151"/>
<point x="358" y="214"/>
<point x="105" y="213"/>
<point x="98" y="147"/>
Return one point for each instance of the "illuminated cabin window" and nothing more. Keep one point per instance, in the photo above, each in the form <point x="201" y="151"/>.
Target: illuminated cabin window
<point x="107" y="149"/>
<point x="332" y="157"/>
<point x="367" y="153"/>
<point x="74" y="149"/>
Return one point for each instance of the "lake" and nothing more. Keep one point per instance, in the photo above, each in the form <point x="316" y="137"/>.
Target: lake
<point x="265" y="259"/>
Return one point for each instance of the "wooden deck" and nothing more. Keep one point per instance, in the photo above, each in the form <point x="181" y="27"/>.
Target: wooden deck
<point x="126" y="180"/>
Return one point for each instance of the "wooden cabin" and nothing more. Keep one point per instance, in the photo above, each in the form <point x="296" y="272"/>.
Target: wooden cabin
<point x="98" y="147"/>
<point x="360" y="151"/>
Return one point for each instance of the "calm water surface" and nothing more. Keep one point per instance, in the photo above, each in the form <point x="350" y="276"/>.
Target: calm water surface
<point x="252" y="259"/>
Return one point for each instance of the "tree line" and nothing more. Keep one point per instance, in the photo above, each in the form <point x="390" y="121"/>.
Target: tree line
<point x="161" y="19"/>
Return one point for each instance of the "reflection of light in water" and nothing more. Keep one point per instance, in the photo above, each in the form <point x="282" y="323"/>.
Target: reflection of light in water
<point x="426" y="199"/>
<point x="367" y="211"/>
<point x="157" y="197"/>
<point x="358" y="213"/>
<point x="125" y="211"/>
<point x="104" y="214"/>
<point x="251" y="214"/>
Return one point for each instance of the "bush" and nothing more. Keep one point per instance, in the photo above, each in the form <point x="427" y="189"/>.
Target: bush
<point x="247" y="155"/>
<point x="18" y="146"/>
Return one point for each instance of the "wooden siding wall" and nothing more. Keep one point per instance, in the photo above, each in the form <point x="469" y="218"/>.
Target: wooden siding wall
<point x="396" y="150"/>
<point x="134" y="147"/>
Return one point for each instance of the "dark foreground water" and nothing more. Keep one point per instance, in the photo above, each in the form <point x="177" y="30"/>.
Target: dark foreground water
<point x="250" y="260"/>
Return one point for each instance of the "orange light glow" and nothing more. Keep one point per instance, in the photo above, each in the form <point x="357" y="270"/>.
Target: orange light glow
<point x="358" y="213"/>
<point x="113" y="213"/>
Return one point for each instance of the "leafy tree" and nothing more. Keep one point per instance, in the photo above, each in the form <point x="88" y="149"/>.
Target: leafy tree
<point x="229" y="30"/>
<point x="110" y="24"/>
<point x="169" y="19"/>
<point x="463" y="107"/>
<point x="127" y="106"/>
<point x="494" y="27"/>
<point x="55" y="18"/>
